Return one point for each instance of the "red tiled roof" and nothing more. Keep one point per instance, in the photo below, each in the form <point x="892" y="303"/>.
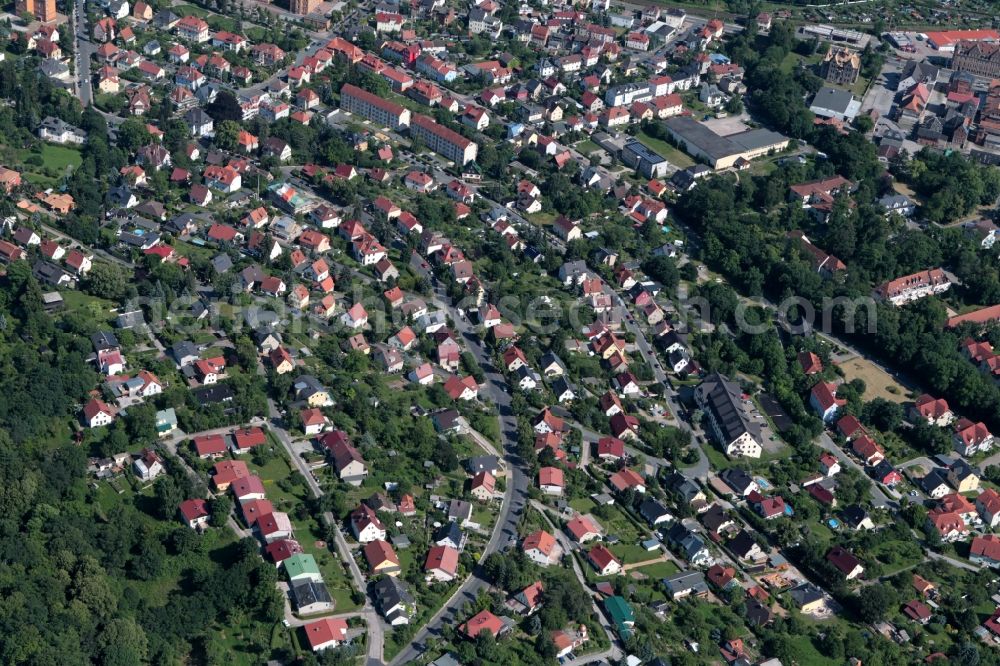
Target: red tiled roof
<point x="987" y="545"/>
<point x="378" y="552"/>
<point x="482" y="621"/>
<point x="194" y="509"/>
<point x="541" y="540"/>
<point x="601" y="557"/>
<point x="325" y="630"/>
<point x="442" y="557"/>
<point x="210" y="445"/>
<point x="551" y="476"/>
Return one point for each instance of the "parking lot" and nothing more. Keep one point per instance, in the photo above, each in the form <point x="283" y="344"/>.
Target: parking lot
<point x="883" y="89"/>
<point x="728" y="125"/>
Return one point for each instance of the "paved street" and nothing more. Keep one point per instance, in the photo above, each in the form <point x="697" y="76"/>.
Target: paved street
<point x="376" y="632"/>
<point x="700" y="469"/>
<point x="879" y="496"/>
<point x="494" y="391"/>
<point x="615" y="651"/>
<point x="82" y="53"/>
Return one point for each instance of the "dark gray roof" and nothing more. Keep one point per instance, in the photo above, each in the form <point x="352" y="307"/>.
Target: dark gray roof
<point x="48" y="272"/>
<point x="448" y="532"/>
<point x="853" y="515"/>
<point x="757" y="613"/>
<point x="197" y="116"/>
<point x="307" y="385"/>
<point x="932" y="480"/>
<point x="309" y="592"/>
<point x="715" y="518"/>
<point x="652" y="510"/>
<point x="741" y="544"/>
<point x="679" y="484"/>
<point x="696" y="134"/>
<point x="182" y="349"/>
<point x="213" y="394"/>
<point x="560" y="385"/>
<point x="756" y="138"/>
<point x="222" y="263"/>
<point x="737" y="479"/>
<point x="722" y="398"/>
<point x="806" y="593"/>
<point x="459" y="509"/>
<point x="389" y="592"/>
<point x="685" y="581"/>
<point x="834" y="99"/>
<point x="482" y="464"/>
<point x="643" y="152"/>
<point x="104" y="340"/>
<point x="131" y="319"/>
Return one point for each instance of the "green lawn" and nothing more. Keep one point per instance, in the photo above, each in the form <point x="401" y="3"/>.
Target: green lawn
<point x="44" y="165"/>
<point x="59" y="157"/>
<point x="673" y="155"/>
<point x="190" y="10"/>
<point x="97" y="309"/>
<point x="192" y="251"/>
<point x="309" y="533"/>
<point x="583" y="504"/>
<point x="820" y="530"/>
<point x="621" y="526"/>
<point x="484" y="514"/>
<point x="659" y="570"/>
<point x="717" y="458"/>
<point x="587" y="147"/>
<point x="896" y="555"/>
<point x="632" y="552"/>
<point x="808" y="653"/>
<point x="542" y="219"/>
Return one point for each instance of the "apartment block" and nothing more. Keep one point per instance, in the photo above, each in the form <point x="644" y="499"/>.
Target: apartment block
<point x="443" y="141"/>
<point x="373" y="107"/>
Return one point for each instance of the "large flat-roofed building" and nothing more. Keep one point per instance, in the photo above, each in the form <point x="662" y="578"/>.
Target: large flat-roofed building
<point x="373" y="107"/>
<point x="648" y="162"/>
<point x="722" y="152"/>
<point x="946" y="40"/>
<point x="829" y="33"/>
<point x="442" y="140"/>
<point x="835" y="103"/>
<point x="979" y="58"/>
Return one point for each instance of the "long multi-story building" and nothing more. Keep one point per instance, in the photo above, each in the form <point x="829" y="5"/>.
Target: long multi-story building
<point x="913" y="287"/>
<point x="728" y="419"/>
<point x="303" y="7"/>
<point x="43" y="10"/>
<point x="443" y="141"/>
<point x="373" y="107"/>
<point x="976" y="57"/>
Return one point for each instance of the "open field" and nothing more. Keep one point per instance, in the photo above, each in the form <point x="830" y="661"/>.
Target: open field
<point x="878" y="383"/>
<point x="673" y="155"/>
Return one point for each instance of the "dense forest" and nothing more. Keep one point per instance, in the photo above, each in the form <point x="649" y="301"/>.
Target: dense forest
<point x="75" y="570"/>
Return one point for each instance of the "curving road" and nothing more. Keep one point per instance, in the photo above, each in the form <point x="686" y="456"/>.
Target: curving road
<point x="376" y="632"/>
<point x="615" y="650"/>
<point x="701" y="468"/>
<point x="494" y="390"/>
